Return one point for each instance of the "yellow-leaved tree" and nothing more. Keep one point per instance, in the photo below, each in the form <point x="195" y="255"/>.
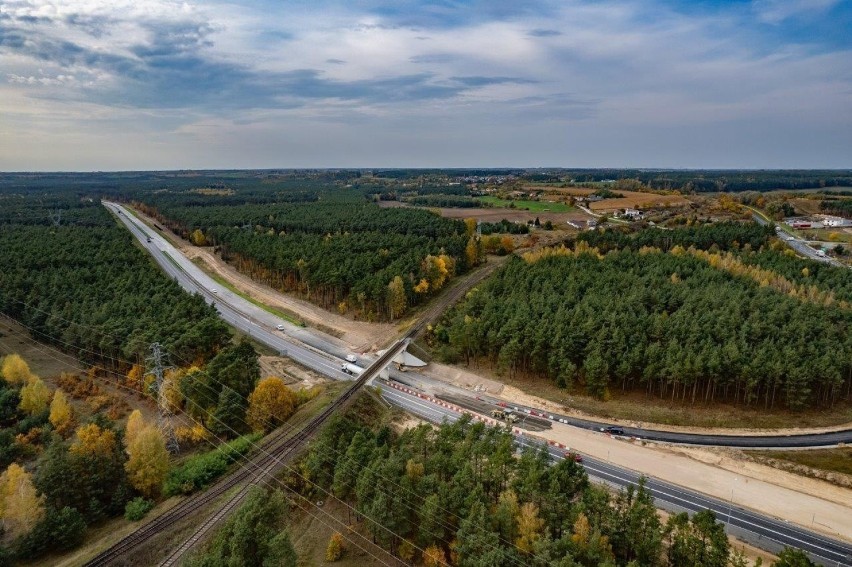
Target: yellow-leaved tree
<point x="529" y="527"/>
<point x="16" y="370"/>
<point x="61" y="413"/>
<point x="136" y="377"/>
<point x="135" y="424"/>
<point x="20" y="505"/>
<point x="433" y="556"/>
<point x="93" y="441"/>
<point x="35" y="397"/>
<point x="334" y="551"/>
<point x="197" y="237"/>
<point x="270" y="405"/>
<point x="397" y="301"/>
<point x="148" y="461"/>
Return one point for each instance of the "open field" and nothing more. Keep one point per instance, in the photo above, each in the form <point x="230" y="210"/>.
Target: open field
<point x="531" y="206"/>
<point x="44" y="361"/>
<point x="837" y="460"/>
<point x="635" y="200"/>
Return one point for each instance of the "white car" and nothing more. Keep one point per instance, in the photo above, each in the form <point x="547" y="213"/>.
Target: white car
<point x="280" y="327"/>
<point x="351" y="358"/>
<point x="214" y="290"/>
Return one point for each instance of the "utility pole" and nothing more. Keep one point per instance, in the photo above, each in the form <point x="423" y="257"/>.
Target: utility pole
<point x="164" y="418"/>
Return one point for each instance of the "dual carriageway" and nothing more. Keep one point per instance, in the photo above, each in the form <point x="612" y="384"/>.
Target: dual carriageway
<point x="325" y="354"/>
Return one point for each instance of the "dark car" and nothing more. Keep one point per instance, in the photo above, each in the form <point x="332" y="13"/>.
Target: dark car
<point x="576" y="457"/>
<point x="613" y="430"/>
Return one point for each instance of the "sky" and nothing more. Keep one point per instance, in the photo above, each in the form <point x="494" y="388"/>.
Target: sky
<point x="90" y="85"/>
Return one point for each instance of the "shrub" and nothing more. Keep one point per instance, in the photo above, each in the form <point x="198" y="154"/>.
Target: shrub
<point x="199" y="470"/>
<point x="136" y="509"/>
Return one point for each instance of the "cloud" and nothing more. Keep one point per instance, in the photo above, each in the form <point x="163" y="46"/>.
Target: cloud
<point x="776" y="11"/>
<point x="543" y="33"/>
<point x="561" y="78"/>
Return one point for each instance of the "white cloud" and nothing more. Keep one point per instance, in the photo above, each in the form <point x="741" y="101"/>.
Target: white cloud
<point x="226" y="85"/>
<point x="776" y="11"/>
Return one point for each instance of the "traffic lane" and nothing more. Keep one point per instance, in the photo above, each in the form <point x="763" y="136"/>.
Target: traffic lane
<point x="752" y="442"/>
<point x="781" y="532"/>
<point x="312" y="359"/>
<point x="160" y="246"/>
<point x="813" y="440"/>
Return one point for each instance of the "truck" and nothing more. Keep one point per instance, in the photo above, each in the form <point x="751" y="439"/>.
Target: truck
<point x="506" y="416"/>
<point x="351" y="369"/>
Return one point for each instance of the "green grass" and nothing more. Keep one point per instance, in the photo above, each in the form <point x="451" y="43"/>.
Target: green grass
<point x="531" y="206"/>
<point x="834" y="460"/>
<point x="228" y="285"/>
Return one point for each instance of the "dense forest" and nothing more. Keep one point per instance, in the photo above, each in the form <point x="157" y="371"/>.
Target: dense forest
<point x="460" y="494"/>
<point x="71" y="460"/>
<point x="341" y="252"/>
<point x="85" y="287"/>
<point x="687" y="324"/>
<point x="842" y="207"/>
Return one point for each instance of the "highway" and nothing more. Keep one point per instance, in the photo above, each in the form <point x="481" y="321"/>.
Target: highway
<point x="759" y="530"/>
<point x="324" y="353"/>
<point x="764" y="532"/>
<point x="799" y="245"/>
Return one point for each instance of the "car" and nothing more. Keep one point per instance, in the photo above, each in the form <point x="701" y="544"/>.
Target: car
<point x="613" y="430"/>
<point x="351" y="358"/>
<point x="214" y="290"/>
<point x="149" y="239"/>
<point x="576" y="457"/>
<point x="280" y="327"/>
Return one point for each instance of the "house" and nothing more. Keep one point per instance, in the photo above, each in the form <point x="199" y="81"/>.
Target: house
<point x="834" y="222"/>
<point x="633" y="214"/>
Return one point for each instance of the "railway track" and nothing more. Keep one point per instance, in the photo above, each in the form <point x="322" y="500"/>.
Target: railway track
<point x="270" y="457"/>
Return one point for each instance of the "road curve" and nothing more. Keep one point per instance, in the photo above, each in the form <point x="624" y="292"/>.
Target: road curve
<point x="760" y="530"/>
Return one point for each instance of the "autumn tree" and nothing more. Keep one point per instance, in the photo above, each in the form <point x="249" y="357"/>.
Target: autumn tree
<point x="21" y="507"/>
<point x="473" y="252"/>
<point x="148" y="461"/>
<point x="334" y="551"/>
<point x="35" y="397"/>
<point x="197" y="237"/>
<point x="433" y="556"/>
<point x="15" y="370"/>
<point x="529" y="527"/>
<point x="135" y="424"/>
<point x="61" y="413"/>
<point x="135" y="377"/>
<point x="93" y="440"/>
<point x="397" y="301"/>
<point x="470" y="226"/>
<point x="270" y="405"/>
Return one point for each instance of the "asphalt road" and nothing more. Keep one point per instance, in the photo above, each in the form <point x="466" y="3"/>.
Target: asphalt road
<point x="799" y="245"/>
<point x="325" y="354"/>
<point x="764" y="532"/>
<point x="767" y="533"/>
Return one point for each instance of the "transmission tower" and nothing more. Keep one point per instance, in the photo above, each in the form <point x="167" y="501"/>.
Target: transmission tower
<point x="157" y="368"/>
<point x="55" y="216"/>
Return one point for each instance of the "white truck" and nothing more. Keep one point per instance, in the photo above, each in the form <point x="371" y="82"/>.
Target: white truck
<point x="350" y="368"/>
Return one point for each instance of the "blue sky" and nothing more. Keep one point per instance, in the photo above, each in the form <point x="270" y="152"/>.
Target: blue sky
<point x="157" y="84"/>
